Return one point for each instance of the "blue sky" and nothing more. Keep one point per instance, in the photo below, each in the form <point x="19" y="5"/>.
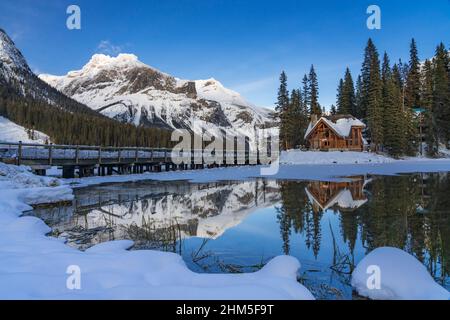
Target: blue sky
<point x="244" y="44"/>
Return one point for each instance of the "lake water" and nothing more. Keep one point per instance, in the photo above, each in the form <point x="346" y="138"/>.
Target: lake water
<point x="237" y="226"/>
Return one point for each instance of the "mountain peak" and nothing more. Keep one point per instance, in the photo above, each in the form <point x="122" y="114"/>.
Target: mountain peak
<point x="10" y="56"/>
<point x="100" y="59"/>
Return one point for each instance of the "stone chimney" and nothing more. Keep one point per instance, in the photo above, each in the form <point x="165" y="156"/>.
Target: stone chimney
<point x="313" y="119"/>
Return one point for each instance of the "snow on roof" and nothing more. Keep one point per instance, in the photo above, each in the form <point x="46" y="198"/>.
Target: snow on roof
<point x="343" y="200"/>
<point x="342" y="125"/>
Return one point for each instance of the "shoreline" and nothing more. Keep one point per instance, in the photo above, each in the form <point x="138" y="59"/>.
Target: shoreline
<point x="329" y="172"/>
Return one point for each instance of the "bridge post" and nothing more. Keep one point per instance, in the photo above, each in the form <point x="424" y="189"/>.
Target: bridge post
<point x="77" y="154"/>
<point x="119" y="155"/>
<point x="99" y="155"/>
<point x="50" y="154"/>
<point x="19" y="154"/>
<point x="136" y="155"/>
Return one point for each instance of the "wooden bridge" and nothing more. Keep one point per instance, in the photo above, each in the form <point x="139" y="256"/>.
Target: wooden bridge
<point x="95" y="160"/>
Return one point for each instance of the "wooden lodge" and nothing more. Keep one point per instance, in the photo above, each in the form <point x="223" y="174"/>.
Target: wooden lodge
<point x="337" y="132"/>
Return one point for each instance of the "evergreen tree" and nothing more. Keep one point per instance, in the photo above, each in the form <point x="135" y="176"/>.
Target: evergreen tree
<point x="340" y="96"/>
<point x="371" y="97"/>
<point x="441" y="93"/>
<point x="394" y="120"/>
<point x="314" y="92"/>
<point x="283" y="94"/>
<point x="281" y="109"/>
<point x="357" y="112"/>
<point x="347" y="95"/>
<point x="333" y="110"/>
<point x="429" y="120"/>
<point x="306" y="92"/>
<point x="291" y="120"/>
<point x="412" y="88"/>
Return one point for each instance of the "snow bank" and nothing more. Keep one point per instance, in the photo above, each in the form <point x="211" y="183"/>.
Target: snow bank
<point x="402" y="277"/>
<point x="12" y="132"/>
<point x="331" y="157"/>
<point x="34" y="266"/>
<point x="21" y="177"/>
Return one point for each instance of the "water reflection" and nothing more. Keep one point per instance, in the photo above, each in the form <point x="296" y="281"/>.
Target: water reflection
<point x="409" y="212"/>
<point x="157" y="215"/>
<point x="328" y="226"/>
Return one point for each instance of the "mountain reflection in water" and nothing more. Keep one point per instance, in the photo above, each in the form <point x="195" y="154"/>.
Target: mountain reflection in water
<point x="328" y="226"/>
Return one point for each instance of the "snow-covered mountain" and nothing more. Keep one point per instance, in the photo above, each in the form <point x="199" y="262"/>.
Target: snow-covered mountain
<point x="11" y="59"/>
<point x="17" y="76"/>
<point x="128" y="90"/>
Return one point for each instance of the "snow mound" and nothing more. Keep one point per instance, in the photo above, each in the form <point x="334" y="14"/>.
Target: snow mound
<point x="402" y="277"/>
<point x="21" y="177"/>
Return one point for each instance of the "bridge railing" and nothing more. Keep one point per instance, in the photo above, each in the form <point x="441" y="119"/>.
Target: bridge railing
<point x="49" y="153"/>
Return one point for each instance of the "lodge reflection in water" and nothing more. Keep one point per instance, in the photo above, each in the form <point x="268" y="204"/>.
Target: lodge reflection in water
<point x="345" y="195"/>
<point x="410" y="212"/>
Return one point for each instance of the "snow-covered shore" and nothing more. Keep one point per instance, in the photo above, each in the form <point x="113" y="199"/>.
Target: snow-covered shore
<point x="34" y="265"/>
<point x="306" y="169"/>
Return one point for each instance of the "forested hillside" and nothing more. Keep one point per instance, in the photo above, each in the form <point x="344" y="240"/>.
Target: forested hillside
<point x="76" y="127"/>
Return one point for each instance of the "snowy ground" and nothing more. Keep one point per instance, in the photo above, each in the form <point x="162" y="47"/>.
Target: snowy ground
<point x="11" y="132"/>
<point x="332" y="157"/>
<point x="34" y="266"/>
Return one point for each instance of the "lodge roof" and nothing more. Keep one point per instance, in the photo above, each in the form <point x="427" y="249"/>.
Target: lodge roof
<point x="341" y="124"/>
<point x="343" y="199"/>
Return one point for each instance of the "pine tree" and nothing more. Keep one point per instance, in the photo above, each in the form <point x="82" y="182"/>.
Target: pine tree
<point x="306" y="92"/>
<point x="429" y="119"/>
<point x="371" y="97"/>
<point x="291" y="120"/>
<point x="441" y="93"/>
<point x="357" y="112"/>
<point x="283" y="94"/>
<point x="340" y="96"/>
<point x="281" y="109"/>
<point x="333" y="110"/>
<point x="347" y="95"/>
<point x="314" y="92"/>
<point x="412" y="88"/>
<point x="394" y="120"/>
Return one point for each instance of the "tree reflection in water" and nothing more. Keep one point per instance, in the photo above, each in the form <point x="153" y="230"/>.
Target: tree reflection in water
<point x="410" y="212"/>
